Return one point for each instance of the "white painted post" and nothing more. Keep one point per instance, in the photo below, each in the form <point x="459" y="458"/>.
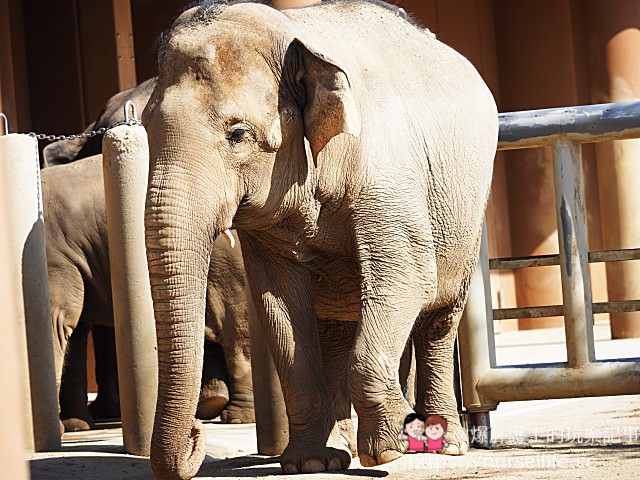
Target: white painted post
<point x="27" y="270"/>
<point x="574" y="262"/>
<point x="126" y="165"/>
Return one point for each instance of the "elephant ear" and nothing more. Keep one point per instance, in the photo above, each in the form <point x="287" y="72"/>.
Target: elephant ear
<point x="330" y="108"/>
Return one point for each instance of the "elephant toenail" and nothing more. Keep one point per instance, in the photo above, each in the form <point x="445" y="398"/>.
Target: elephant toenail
<point x="289" y="469"/>
<point x="314" y="465"/>
<point x="335" y="464"/>
<point x="367" y="460"/>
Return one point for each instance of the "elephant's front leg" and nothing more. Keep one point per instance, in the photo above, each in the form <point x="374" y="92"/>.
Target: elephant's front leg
<point x="281" y="291"/>
<point x="374" y="381"/>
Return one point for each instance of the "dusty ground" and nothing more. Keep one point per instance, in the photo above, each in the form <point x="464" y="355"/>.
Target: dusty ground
<point x="586" y="438"/>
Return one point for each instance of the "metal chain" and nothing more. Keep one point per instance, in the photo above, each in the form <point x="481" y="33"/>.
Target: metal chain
<point x="92" y="133"/>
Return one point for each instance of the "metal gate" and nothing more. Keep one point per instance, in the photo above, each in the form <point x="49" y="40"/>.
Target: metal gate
<point x="484" y="384"/>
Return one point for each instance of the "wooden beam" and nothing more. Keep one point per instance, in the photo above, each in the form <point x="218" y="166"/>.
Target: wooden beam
<point x="7" y="88"/>
<point x="124" y="44"/>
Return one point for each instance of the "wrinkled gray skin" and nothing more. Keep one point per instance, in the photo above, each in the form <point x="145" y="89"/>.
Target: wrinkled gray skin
<point x="353" y="152"/>
<point x="80" y="293"/>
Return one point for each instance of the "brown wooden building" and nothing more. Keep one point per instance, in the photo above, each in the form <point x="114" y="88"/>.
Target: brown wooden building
<point x="61" y="59"/>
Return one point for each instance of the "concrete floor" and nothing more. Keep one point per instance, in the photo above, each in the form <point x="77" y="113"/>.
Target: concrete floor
<point x="585" y="438"/>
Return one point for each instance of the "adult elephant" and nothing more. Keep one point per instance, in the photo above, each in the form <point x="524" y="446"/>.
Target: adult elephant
<point x="80" y="295"/>
<point x="353" y="151"/>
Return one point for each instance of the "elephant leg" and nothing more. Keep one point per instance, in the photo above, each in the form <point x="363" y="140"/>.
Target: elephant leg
<point x="235" y="345"/>
<point x="282" y="295"/>
<point x="374" y="385"/>
<point x="336" y="342"/>
<point x="434" y="337"/>
<point x="106" y="406"/>
<point x="74" y="413"/>
<point x="214" y="393"/>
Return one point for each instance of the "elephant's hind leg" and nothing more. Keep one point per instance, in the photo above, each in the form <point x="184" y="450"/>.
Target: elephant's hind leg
<point x="214" y="392"/>
<point x="434" y="337"/>
<point x="106" y="406"/>
<point x="74" y="413"/>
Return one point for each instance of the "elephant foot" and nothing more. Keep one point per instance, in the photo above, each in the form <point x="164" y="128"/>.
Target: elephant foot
<point x="303" y="457"/>
<point x="211" y="408"/>
<point x="76" y="425"/>
<point x="235" y="413"/>
<point x="76" y="418"/>
<point x="457" y="439"/>
<point x="214" y="397"/>
<point x="378" y="441"/>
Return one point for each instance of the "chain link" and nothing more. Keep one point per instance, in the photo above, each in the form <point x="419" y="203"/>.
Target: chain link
<point x="92" y="133"/>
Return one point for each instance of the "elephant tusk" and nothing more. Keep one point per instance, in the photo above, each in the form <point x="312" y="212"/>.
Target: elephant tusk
<point x="230" y="240"/>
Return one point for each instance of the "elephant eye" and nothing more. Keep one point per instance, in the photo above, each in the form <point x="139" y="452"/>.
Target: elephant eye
<point x="238" y="133"/>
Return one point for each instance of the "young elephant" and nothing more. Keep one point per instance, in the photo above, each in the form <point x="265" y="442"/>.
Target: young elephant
<point x="353" y="152"/>
<point x="80" y="290"/>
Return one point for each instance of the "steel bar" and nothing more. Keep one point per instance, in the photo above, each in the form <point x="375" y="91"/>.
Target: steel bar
<point x="583" y="124"/>
<point x="506" y="384"/>
<point x="549" y="260"/>
<point x="475" y="335"/>
<point x="558" y="310"/>
<point x="574" y="265"/>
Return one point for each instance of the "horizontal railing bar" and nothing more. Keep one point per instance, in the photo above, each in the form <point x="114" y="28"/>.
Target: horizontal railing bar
<point x="621" y="377"/>
<point x="524" y="262"/>
<point x="614" y="255"/>
<point x="549" y="260"/>
<point x="528" y="312"/>
<point x="619" y="306"/>
<point x="583" y="124"/>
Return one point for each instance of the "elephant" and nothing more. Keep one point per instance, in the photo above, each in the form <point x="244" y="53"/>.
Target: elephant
<point x="70" y="150"/>
<point x="80" y="295"/>
<point x="353" y="152"/>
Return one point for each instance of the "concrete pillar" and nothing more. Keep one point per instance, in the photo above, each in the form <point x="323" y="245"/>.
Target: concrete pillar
<point x="13" y="441"/>
<point x="27" y="269"/>
<point x="126" y="165"/>
<point x="614" y="41"/>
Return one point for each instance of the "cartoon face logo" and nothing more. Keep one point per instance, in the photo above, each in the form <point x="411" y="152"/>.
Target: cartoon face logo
<point x="412" y="433"/>
<point x="415" y="428"/>
<point x="435" y="428"/>
<point x="423" y="435"/>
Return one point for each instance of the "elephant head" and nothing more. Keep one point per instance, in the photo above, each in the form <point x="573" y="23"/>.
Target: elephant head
<point x="239" y="90"/>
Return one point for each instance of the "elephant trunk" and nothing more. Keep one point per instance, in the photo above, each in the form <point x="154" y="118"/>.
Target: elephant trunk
<point x="179" y="242"/>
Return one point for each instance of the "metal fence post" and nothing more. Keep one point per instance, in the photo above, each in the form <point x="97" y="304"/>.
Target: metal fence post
<point x="574" y="263"/>
<point x="477" y="349"/>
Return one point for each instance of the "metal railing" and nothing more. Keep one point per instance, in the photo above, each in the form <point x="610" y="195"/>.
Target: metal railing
<point x="484" y="384"/>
